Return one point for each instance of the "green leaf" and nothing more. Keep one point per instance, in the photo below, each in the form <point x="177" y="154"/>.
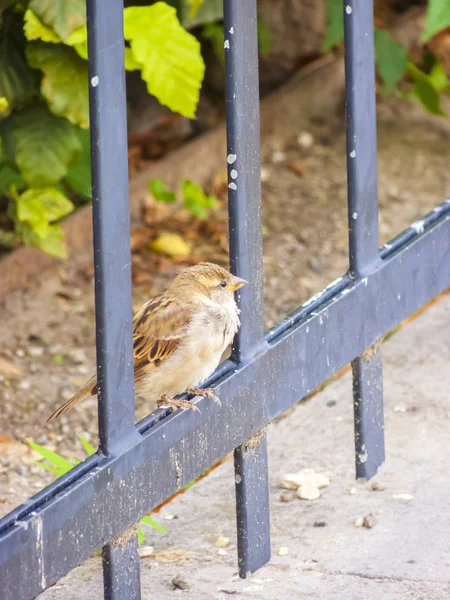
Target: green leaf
<point x="47" y="467"/>
<point x="438" y="77"/>
<point x="61" y="464"/>
<point x="35" y="30"/>
<point x="45" y="145"/>
<point x="78" y="176"/>
<point x="159" y="191"/>
<point x="140" y="536"/>
<point x="214" y="33"/>
<point x="172" y="64"/>
<point x="391" y="58"/>
<point x="264" y="37"/>
<point x="65" y="80"/>
<point x="153" y="524"/>
<point x="64" y="16"/>
<point x="89" y="449"/>
<point x="52" y="243"/>
<point x="438" y="17"/>
<point x="194" y="6"/>
<point x="9" y="178"/>
<point x="424" y="90"/>
<point x="18" y="83"/>
<point x="78" y="40"/>
<point x="195" y="200"/>
<point x="209" y="11"/>
<point x="50" y="202"/>
<point x="334" y="24"/>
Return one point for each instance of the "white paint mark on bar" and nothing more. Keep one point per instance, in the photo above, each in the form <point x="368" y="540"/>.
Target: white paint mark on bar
<point x="227" y="45"/>
<point x="231" y="30"/>
<point x="94" y="81"/>
<point x="233" y="174"/>
<point x="352" y="154"/>
<point x="232" y="186"/>
<point x="348" y="9"/>
<point x="418" y="226"/>
<point x="355" y="215"/>
<point x="231" y="158"/>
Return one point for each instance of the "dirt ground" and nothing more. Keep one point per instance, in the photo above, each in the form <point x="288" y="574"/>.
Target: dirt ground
<point x="48" y="332"/>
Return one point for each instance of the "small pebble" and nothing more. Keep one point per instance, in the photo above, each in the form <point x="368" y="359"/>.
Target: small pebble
<point x="77" y="355"/>
<point x="331" y="403"/>
<point x="308" y="492"/>
<point x="20" y="353"/>
<point x="369" y="521"/>
<point x="278" y="157"/>
<point x="221" y="542"/>
<point x="66" y="394"/>
<point x="352" y="491"/>
<point x="222" y="552"/>
<point x="402" y="496"/>
<point x="359" y="522"/>
<point x="305" y="139"/>
<point x="319" y="524"/>
<point x="145" y="551"/>
<point x="286" y="496"/>
<point x="169" y="517"/>
<point x="400" y="408"/>
<point x="24" y="385"/>
<point x="378" y="487"/>
<point x="35" y="351"/>
<point x="282" y="551"/>
<point x="265" y="174"/>
<point x="179" y="583"/>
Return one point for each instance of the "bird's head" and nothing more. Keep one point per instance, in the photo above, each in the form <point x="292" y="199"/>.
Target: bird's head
<point x="208" y="281"/>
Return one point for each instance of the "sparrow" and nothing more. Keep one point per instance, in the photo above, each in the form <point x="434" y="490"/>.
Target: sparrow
<point x="179" y="337"/>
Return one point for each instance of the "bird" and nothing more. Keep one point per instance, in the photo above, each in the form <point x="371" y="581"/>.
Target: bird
<point x="179" y="337"/>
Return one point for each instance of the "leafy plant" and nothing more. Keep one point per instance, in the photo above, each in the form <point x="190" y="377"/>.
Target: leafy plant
<point x="391" y="57"/>
<point x="44" y="107"/>
<point x="194" y="198"/>
<point x="59" y="466"/>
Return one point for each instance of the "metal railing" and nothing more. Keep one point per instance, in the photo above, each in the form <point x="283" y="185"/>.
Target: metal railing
<point x="138" y="466"/>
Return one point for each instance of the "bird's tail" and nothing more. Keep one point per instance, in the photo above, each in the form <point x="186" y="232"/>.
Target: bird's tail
<point x="89" y="389"/>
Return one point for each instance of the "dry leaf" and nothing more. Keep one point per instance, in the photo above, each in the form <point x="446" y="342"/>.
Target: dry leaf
<point x="171" y="244"/>
<point x="9" y="370"/>
<point x="299" y="167"/>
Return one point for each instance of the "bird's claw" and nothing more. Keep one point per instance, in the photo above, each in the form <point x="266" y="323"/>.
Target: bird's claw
<point x="206" y="393"/>
<point x="166" y="401"/>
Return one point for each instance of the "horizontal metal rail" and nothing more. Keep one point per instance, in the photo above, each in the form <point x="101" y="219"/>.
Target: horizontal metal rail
<point x="58" y="529"/>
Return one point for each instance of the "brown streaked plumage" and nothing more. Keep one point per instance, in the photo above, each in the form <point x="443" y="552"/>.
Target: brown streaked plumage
<point x="179" y="337"/>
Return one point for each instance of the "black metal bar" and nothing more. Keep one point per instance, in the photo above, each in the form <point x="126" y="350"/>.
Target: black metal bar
<point x="244" y="201"/>
<point x="121" y="580"/>
<point x="111" y="215"/>
<point x="250" y="465"/>
<point x="112" y="261"/>
<point x="361" y="135"/>
<point x="363" y="215"/>
<point x="53" y="537"/>
<point x="369" y="421"/>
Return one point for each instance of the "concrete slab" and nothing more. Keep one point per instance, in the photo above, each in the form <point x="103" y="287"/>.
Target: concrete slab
<point x="406" y="555"/>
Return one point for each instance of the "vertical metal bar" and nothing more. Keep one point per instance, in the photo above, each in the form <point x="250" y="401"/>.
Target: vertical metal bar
<point x="111" y="217"/>
<point x="363" y="221"/>
<point x="244" y="197"/>
<point x="112" y="261"/>
<point x="250" y="465"/>
<point x="361" y="135"/>
<point x="121" y="574"/>
<point x="368" y="409"/>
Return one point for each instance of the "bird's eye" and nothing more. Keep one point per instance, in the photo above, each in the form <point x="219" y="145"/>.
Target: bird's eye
<point x="223" y="284"/>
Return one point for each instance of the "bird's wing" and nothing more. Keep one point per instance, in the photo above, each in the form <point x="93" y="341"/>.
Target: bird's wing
<point x="158" y="329"/>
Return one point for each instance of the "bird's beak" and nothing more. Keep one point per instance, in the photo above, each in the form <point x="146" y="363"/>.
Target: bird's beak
<point x="236" y="283"/>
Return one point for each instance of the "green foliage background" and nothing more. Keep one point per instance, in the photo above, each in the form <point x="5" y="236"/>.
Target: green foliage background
<point x="44" y="108"/>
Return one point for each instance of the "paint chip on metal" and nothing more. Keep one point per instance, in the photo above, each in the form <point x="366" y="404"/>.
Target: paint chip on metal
<point x="232" y="186"/>
<point x="94" y="81"/>
<point x="227" y="45"/>
<point x="418" y="226"/>
<point x="233" y="174"/>
<point x="231" y="158"/>
<point x="355" y="215"/>
<point x="353" y="154"/>
<point x="231" y="30"/>
<point x="348" y="9"/>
